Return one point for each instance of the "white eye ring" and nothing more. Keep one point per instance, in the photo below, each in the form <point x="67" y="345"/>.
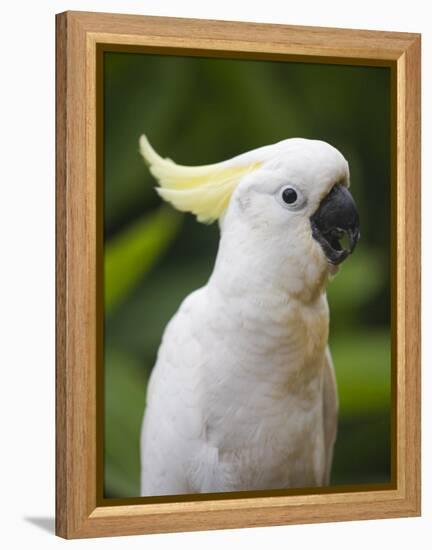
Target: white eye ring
<point x="291" y="197"/>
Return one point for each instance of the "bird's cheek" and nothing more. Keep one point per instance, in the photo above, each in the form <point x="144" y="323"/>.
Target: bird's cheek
<point x="317" y="268"/>
<point x="314" y="269"/>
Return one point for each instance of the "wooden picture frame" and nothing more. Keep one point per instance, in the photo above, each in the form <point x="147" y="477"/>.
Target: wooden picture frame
<point x="81" y="37"/>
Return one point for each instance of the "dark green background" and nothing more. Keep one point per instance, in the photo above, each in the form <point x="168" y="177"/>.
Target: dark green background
<point x="200" y="111"/>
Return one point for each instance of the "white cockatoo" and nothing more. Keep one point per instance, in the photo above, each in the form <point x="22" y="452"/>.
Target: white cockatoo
<point x="243" y="395"/>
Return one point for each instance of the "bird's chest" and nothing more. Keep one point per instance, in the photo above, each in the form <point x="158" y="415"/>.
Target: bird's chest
<point x="264" y="387"/>
<point x="262" y="355"/>
<point x="287" y="451"/>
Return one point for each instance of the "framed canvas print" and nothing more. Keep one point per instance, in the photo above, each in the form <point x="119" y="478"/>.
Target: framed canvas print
<point x="238" y="274"/>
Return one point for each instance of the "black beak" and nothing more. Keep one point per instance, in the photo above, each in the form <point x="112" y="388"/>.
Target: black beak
<point x="336" y="218"/>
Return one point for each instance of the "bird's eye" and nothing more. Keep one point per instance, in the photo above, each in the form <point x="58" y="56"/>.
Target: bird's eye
<point x="291" y="197"/>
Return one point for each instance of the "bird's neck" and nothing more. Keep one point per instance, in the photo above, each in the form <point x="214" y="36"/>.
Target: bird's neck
<point x="262" y="268"/>
<point x="273" y="314"/>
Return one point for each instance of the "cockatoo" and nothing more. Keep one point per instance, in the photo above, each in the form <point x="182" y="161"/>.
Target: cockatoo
<point x="243" y="394"/>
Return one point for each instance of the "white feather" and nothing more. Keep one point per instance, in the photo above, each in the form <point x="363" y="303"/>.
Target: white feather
<point x="241" y="396"/>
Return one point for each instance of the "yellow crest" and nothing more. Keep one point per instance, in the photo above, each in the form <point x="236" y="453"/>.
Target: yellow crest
<point x="203" y="190"/>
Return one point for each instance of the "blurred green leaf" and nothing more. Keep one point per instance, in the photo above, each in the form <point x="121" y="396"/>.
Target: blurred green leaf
<point x="129" y="255"/>
<point x="362" y="451"/>
<point x="360" y="277"/>
<point x="135" y="104"/>
<point x="125" y="387"/>
<point x="362" y="362"/>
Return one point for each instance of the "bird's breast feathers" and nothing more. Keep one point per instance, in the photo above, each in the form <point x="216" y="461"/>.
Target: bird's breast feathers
<point x="238" y="390"/>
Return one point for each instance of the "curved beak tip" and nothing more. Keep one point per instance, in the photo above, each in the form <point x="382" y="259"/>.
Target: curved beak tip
<point x="353" y="238"/>
<point x="335" y="218"/>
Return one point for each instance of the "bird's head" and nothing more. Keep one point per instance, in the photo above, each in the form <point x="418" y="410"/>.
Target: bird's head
<point x="283" y="204"/>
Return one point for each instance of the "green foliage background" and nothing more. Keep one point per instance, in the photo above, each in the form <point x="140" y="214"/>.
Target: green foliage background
<point x="199" y="111"/>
